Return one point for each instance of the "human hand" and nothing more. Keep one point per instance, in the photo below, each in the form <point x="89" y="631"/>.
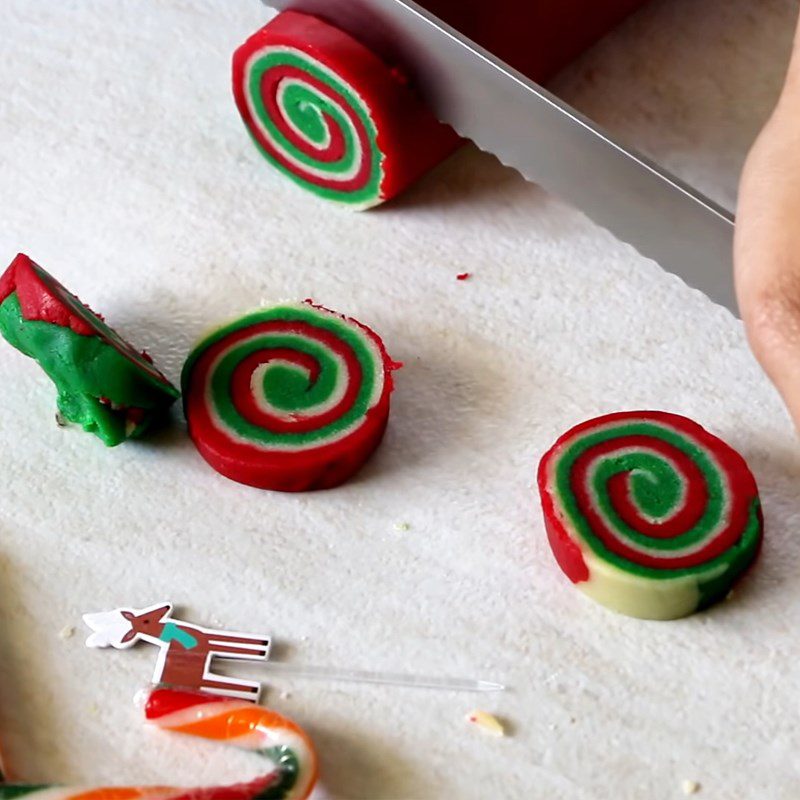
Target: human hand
<point x="767" y="243"/>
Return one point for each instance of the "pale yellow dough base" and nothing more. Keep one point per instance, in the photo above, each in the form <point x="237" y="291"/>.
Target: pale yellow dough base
<point x="639" y="597"/>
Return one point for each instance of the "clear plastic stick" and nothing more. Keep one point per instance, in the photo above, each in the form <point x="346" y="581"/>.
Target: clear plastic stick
<point x="385" y="678"/>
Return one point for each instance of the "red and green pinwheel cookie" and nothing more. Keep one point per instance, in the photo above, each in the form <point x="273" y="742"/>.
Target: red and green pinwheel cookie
<point x="650" y="514"/>
<point x="104" y="385"/>
<point x="331" y="115"/>
<point x="290" y="398"/>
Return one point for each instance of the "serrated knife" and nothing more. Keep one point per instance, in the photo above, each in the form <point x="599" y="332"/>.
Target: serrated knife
<point x="550" y="143"/>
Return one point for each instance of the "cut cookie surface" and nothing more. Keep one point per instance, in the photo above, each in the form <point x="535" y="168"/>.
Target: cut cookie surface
<point x="649" y="513"/>
<point x="104" y="384"/>
<point x="331" y="115"/>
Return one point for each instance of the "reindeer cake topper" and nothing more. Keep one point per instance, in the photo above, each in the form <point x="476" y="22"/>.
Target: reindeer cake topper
<point x="186" y="651"/>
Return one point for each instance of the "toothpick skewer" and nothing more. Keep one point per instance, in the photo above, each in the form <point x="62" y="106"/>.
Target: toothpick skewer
<point x="384" y="678"/>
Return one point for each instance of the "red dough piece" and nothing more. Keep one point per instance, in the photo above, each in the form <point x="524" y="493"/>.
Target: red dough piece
<point x="333" y="116"/>
<point x="40" y="301"/>
<point x="537" y="37"/>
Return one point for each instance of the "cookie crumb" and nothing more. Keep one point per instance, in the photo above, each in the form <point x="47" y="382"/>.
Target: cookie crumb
<point x="463" y="276"/>
<point x="690" y="787"/>
<point x="486" y="722"/>
<point x="285" y="695"/>
<point x="67" y="632"/>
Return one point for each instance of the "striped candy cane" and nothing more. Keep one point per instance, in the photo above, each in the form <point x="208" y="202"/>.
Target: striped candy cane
<point x="289" y="753"/>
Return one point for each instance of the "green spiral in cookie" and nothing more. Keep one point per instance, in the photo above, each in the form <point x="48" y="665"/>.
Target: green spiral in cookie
<point x="309" y="122"/>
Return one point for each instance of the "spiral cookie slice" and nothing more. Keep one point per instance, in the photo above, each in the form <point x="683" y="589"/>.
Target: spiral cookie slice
<point x="648" y="513"/>
<point x="332" y="116"/>
<point x="291" y="398"/>
<point x="291" y="774"/>
<point x="103" y="383"/>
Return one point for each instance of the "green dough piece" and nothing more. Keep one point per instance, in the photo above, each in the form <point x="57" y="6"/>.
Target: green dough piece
<point x="99" y="388"/>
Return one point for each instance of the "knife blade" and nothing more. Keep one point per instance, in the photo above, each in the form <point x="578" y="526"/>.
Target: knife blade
<point x="550" y="143"/>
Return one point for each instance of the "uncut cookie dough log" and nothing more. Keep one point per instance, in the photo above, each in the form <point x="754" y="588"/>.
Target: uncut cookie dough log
<point x="287" y="753"/>
<point x="290" y="398"/>
<point x="330" y="115"/>
<point x="649" y="514"/>
<point x="537" y="37"/>
<point x="104" y="385"/>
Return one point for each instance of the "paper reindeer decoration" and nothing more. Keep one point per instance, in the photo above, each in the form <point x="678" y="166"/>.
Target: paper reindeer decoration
<point x="186" y="651"/>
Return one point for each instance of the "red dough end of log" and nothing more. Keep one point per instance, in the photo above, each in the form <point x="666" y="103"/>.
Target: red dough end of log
<point x="537" y="38"/>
